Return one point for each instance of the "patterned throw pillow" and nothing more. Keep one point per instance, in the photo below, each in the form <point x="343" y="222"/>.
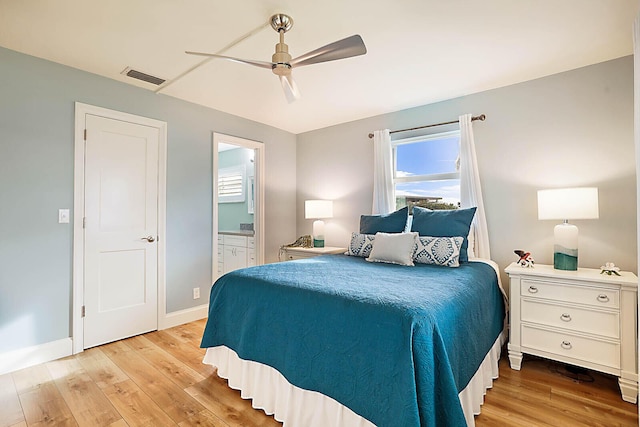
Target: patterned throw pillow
<point x="361" y="244"/>
<point x="438" y="250"/>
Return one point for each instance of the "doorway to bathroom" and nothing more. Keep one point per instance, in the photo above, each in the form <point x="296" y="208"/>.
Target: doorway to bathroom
<point x="238" y="211"/>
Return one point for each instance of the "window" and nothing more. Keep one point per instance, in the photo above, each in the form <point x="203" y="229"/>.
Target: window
<point x="231" y="187"/>
<point x="426" y="171"/>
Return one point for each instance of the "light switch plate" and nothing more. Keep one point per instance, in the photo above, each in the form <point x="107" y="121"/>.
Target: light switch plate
<point x="63" y="216"/>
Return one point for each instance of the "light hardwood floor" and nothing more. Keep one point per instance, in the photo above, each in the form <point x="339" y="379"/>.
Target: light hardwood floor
<point x="158" y="379"/>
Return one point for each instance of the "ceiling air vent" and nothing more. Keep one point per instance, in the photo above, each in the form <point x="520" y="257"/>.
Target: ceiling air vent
<point x="130" y="72"/>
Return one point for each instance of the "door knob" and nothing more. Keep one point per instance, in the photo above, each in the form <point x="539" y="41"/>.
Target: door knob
<point x="149" y="239"/>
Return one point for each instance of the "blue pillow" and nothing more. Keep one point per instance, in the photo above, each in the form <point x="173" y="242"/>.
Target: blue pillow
<point x="395" y="222"/>
<point x="444" y="223"/>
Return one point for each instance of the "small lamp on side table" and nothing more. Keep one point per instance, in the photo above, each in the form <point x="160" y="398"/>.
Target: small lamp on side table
<point x="566" y="204"/>
<point x="318" y="209"/>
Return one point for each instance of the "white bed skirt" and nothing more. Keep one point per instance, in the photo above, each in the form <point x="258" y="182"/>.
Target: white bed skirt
<point x="296" y="407"/>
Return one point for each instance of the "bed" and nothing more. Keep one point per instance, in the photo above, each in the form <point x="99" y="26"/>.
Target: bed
<point x="339" y="341"/>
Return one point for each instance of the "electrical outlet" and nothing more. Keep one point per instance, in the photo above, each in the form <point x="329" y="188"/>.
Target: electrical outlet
<point x="196" y="293"/>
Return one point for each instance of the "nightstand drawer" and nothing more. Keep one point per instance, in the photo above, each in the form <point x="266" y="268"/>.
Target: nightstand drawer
<point x="298" y="255"/>
<point x="579" y="294"/>
<point x="573" y="346"/>
<point x="604" y="323"/>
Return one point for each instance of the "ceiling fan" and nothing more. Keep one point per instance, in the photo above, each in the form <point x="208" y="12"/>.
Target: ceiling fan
<point x="281" y="62"/>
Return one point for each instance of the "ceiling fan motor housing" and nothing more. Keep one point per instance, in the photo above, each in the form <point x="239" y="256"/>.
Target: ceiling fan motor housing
<point x="281" y="59"/>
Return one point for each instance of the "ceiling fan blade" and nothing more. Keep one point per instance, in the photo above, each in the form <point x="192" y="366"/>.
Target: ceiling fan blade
<point x="261" y="64"/>
<point x="290" y="88"/>
<point x="345" y="48"/>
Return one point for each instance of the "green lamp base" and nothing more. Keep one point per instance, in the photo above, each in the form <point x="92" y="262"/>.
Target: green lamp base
<point x="565" y="262"/>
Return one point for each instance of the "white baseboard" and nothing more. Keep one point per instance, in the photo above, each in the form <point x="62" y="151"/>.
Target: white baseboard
<point x="184" y="316"/>
<point x="25" y="357"/>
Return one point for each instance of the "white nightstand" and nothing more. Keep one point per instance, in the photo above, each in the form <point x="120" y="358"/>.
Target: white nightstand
<point x="289" y="253"/>
<point x="581" y="317"/>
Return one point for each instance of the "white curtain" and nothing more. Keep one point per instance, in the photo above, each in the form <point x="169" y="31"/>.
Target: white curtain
<point x="383" y="190"/>
<point x="470" y="190"/>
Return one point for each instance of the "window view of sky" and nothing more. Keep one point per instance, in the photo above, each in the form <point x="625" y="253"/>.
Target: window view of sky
<point x="427" y="158"/>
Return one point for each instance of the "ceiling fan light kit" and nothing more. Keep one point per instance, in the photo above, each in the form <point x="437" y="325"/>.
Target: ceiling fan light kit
<point x="281" y="62"/>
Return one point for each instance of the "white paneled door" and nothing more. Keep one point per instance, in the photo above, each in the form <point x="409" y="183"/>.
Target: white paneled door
<point x="121" y="230"/>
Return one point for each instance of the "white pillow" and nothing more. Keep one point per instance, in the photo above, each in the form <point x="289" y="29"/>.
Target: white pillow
<point x="393" y="248"/>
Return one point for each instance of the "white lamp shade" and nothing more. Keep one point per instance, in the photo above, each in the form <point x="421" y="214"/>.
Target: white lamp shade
<point x="568" y="203"/>
<point x="314" y="209"/>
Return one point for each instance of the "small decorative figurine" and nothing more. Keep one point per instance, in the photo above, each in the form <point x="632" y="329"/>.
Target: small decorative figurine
<point x="526" y="260"/>
<point x="609" y="268"/>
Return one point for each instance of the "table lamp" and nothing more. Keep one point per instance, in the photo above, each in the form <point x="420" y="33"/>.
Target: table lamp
<point x="566" y="204"/>
<point x="318" y="209"/>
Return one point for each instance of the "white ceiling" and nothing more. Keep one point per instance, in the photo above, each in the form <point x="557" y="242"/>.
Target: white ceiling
<point x="419" y="51"/>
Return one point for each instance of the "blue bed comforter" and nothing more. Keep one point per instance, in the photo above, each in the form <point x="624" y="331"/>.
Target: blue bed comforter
<point x="395" y="344"/>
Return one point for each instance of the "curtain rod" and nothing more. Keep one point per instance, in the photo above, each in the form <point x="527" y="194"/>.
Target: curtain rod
<point x="481" y="117"/>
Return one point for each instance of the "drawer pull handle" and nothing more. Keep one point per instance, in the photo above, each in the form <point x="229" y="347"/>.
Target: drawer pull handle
<point x="603" y="298"/>
<point x="566" y="345"/>
<point x="565" y="317"/>
<point x="533" y="290"/>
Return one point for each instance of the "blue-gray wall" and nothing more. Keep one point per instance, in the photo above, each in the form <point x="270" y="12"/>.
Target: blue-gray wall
<point x="36" y="179"/>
